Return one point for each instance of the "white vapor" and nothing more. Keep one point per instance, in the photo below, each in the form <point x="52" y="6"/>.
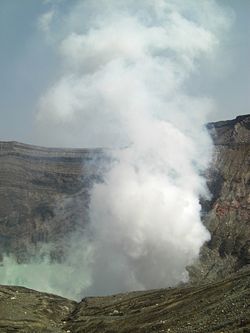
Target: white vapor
<point x="45" y="21"/>
<point x="124" y="72"/>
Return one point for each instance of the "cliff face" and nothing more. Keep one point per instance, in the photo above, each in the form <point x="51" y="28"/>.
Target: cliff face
<point x="44" y="197"/>
<point x="227" y="214"/>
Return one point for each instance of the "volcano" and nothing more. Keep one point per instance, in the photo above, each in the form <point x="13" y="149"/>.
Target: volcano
<point x="44" y="198"/>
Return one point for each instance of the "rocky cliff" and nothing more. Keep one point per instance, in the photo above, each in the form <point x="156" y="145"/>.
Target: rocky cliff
<point x="227" y="214"/>
<point x="44" y="196"/>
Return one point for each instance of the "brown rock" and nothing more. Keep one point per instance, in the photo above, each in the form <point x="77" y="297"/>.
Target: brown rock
<point x="223" y="306"/>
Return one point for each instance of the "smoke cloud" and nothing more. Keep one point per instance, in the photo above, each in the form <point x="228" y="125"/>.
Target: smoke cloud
<point x="125" y="70"/>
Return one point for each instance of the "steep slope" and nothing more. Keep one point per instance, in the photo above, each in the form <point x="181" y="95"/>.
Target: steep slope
<point x="219" y="307"/>
<point x="28" y="311"/>
<point x="227" y="214"/>
<point x="43" y="195"/>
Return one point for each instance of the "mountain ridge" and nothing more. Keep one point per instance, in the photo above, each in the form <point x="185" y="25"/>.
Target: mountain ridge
<point x="43" y="191"/>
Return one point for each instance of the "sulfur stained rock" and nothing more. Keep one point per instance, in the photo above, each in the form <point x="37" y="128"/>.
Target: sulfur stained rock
<point x="227" y="214"/>
<point x="44" y="194"/>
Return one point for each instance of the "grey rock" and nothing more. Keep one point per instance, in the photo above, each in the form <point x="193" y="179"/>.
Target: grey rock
<point x="227" y="214"/>
<point x="223" y="306"/>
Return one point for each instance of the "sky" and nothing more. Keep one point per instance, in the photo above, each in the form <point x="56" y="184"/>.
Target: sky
<point x="29" y="64"/>
<point x="144" y="75"/>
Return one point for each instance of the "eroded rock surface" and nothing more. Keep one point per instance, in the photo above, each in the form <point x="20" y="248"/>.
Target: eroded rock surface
<point x="43" y="192"/>
<point x="28" y="311"/>
<point x="219" y="307"/>
<point x="43" y="196"/>
<point x="227" y="215"/>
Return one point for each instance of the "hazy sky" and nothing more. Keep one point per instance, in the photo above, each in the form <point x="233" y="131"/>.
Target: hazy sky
<point x="29" y="65"/>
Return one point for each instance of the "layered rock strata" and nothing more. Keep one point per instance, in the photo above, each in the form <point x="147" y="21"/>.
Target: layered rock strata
<point x="44" y="195"/>
<point x="227" y="214"/>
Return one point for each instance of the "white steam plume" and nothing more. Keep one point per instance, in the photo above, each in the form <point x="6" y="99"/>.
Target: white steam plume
<point x="124" y="86"/>
<point x="126" y="66"/>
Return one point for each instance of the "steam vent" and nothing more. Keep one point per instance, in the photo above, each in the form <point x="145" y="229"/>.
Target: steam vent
<point x="44" y="197"/>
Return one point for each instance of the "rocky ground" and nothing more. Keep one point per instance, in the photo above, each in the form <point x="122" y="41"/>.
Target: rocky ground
<point x="223" y="306"/>
<point x="41" y="196"/>
<point x="24" y="310"/>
